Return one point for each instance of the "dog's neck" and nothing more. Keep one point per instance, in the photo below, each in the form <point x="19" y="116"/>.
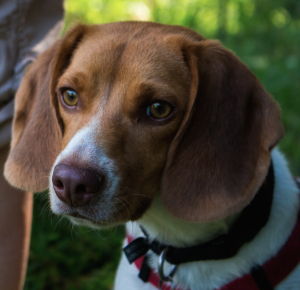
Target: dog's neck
<point x="253" y="217"/>
<point x="164" y="227"/>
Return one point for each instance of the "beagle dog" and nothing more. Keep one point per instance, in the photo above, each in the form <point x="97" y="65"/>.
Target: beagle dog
<point x="157" y="127"/>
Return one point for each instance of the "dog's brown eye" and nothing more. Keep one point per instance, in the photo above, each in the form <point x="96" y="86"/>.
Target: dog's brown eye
<point x="70" y="98"/>
<point x="159" y="110"/>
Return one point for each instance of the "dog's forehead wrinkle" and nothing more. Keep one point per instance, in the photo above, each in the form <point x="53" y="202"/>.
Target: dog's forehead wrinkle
<point x="115" y="52"/>
<point x="105" y="98"/>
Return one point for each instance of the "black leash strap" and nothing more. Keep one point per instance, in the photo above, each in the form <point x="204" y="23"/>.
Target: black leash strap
<point x="136" y="249"/>
<point x="261" y="279"/>
<point x="145" y="270"/>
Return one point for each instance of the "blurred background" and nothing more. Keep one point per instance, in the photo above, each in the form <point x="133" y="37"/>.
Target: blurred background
<point x="265" y="34"/>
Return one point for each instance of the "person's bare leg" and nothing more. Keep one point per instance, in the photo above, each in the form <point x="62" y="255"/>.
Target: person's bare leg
<point x="15" y="228"/>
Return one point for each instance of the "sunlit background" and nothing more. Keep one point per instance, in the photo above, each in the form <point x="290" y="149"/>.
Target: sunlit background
<point x="265" y="34"/>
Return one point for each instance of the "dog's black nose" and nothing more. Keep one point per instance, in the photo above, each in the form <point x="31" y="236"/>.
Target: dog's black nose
<point x="75" y="186"/>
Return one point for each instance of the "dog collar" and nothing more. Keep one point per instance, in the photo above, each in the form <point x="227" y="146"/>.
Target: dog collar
<point x="252" y="219"/>
<point x="265" y="277"/>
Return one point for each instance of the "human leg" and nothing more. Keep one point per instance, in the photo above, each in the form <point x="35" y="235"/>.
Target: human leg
<point x="15" y="227"/>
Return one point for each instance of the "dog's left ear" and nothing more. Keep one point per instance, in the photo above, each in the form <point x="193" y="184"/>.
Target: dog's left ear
<point x="221" y="153"/>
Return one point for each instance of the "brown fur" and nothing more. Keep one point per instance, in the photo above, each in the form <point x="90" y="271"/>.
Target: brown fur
<point x="208" y="159"/>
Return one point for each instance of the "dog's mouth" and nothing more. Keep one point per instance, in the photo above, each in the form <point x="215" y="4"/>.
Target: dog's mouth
<point x="91" y="216"/>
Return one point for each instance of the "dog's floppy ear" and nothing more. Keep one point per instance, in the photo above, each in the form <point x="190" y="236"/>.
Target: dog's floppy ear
<point x="36" y="138"/>
<point x="221" y="153"/>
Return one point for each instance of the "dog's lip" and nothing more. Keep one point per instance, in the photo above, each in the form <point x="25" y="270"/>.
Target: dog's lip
<point x="77" y="215"/>
<point x="95" y="222"/>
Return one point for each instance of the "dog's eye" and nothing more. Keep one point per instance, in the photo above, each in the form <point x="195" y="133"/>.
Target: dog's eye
<point x="159" y="110"/>
<point x="70" y="98"/>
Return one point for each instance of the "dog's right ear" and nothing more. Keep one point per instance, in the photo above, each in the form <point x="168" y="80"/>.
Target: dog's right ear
<point x="37" y="134"/>
<point x="221" y="153"/>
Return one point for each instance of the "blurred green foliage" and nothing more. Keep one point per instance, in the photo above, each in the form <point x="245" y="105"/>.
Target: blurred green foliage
<point x="67" y="258"/>
<point x="265" y="34"/>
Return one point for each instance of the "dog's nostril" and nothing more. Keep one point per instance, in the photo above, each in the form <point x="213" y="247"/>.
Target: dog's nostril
<point x="80" y="189"/>
<point x="59" y="184"/>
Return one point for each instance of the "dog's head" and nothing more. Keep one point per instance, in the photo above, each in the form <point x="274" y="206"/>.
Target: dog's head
<point x="115" y="114"/>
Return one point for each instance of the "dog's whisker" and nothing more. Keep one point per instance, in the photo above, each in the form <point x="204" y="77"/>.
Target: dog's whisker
<point x="59" y="221"/>
<point x="119" y="199"/>
<point x="72" y="228"/>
